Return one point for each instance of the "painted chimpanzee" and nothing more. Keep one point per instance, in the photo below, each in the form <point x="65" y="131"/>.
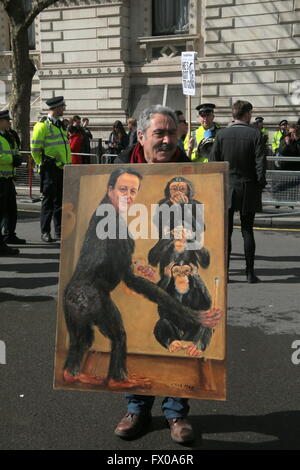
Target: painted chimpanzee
<point x="103" y="263"/>
<point x="183" y="283"/>
<point x="179" y="198"/>
<point x="177" y="250"/>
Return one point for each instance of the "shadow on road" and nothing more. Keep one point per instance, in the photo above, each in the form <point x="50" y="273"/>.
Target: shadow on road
<point x="28" y="283"/>
<point x="285" y="275"/>
<point x="276" y="431"/>
<point x="6" y="297"/>
<point x="31" y="267"/>
<point x="281" y="431"/>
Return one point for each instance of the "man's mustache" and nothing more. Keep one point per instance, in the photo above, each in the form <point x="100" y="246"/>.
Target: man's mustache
<point x="164" y="147"/>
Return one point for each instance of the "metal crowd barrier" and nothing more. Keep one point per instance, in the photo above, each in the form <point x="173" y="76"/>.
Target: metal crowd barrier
<point x="283" y="186"/>
<point x="282" y="189"/>
<point x="108" y="158"/>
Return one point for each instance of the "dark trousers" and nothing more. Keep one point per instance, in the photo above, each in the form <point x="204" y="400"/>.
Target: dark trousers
<point x="52" y="189"/>
<point x="8" y="207"/>
<point x="247" y="222"/>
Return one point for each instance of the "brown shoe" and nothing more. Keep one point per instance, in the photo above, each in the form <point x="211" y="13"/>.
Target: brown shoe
<point x="181" y="430"/>
<point x="132" y="424"/>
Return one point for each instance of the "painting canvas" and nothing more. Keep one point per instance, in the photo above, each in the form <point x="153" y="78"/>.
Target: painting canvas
<point x="143" y="277"/>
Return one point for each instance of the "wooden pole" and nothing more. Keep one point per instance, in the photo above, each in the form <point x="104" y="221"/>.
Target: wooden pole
<point x="189" y="116"/>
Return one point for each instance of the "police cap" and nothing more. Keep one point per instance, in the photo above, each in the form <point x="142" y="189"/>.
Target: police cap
<point x="55" y="102"/>
<point x="283" y="122"/>
<point x="206" y="108"/>
<point x="259" y="119"/>
<point x="5" y="115"/>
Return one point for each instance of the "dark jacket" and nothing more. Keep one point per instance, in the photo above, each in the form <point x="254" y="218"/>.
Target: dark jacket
<point x="116" y="146"/>
<point x="125" y="156"/>
<point x="243" y="147"/>
<point x="132" y="137"/>
<point x="289" y="150"/>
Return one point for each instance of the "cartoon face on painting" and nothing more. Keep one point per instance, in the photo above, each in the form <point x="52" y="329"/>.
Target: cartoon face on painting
<point x="142" y="304"/>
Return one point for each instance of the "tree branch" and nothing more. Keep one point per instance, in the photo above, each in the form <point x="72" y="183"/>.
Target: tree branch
<point x="37" y="7"/>
<point x="5" y="3"/>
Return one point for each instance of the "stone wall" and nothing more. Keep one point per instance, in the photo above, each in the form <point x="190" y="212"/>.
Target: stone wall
<point x="252" y="52"/>
<point x="101" y="55"/>
<point x="84" y="50"/>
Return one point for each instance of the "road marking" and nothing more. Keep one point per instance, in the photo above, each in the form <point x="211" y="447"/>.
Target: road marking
<point x="27" y="210"/>
<point x="275" y="229"/>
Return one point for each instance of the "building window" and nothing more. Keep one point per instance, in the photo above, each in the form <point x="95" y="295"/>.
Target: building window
<point x="170" y="17"/>
<point x="31" y="29"/>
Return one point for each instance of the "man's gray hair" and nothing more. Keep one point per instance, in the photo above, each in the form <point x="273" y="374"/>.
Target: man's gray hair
<point x="146" y="116"/>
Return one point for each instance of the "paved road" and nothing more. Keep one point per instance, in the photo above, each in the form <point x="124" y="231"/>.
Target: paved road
<point x="262" y="410"/>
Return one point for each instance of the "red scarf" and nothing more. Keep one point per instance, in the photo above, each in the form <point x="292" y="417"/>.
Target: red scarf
<point x="137" y="155"/>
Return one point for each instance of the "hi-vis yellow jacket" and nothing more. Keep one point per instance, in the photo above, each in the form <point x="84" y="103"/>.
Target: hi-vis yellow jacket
<point x="7" y="152"/>
<point x="50" y="141"/>
<point x="199" y="137"/>
<point x="277" y="136"/>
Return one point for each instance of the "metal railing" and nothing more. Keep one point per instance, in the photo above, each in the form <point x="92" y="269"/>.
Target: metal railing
<point x="283" y="186"/>
<point x="282" y="189"/>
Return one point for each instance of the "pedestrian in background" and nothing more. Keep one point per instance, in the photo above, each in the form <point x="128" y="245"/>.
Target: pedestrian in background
<point x="9" y="221"/>
<point x="9" y="159"/>
<point x="277" y="136"/>
<point x="182" y="129"/>
<point x="243" y="147"/>
<point x="51" y="150"/>
<point x="198" y="146"/>
<point x="88" y="137"/>
<point x="290" y="147"/>
<point x="76" y="139"/>
<point x="118" y="139"/>
<point x="259" y="124"/>
<point x="132" y="134"/>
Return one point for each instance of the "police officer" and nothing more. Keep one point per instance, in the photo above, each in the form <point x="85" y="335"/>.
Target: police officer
<point x="9" y="159"/>
<point x="50" y="149"/>
<point x="259" y="124"/>
<point x="9" y="222"/>
<point x="198" y="147"/>
<point x="277" y="136"/>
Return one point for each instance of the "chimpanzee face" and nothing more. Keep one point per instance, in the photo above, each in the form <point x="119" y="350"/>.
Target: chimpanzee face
<point x="178" y="187"/>
<point x="181" y="275"/>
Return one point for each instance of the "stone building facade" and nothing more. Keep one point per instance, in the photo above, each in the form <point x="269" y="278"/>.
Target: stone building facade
<point x="111" y="58"/>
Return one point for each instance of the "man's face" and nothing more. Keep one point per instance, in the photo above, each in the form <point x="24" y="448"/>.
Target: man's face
<point x="206" y="119"/>
<point x="160" y="139"/>
<point x="124" y="192"/>
<point x="76" y="122"/>
<point x="4" y="125"/>
<point x="293" y="133"/>
<point x="283" y="128"/>
<point x="182" y="127"/>
<point x="59" y="111"/>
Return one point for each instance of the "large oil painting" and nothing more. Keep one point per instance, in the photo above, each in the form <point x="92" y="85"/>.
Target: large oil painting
<point x="143" y="278"/>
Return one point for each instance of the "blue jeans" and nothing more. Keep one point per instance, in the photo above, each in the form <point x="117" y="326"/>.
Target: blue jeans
<point x="171" y="407"/>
